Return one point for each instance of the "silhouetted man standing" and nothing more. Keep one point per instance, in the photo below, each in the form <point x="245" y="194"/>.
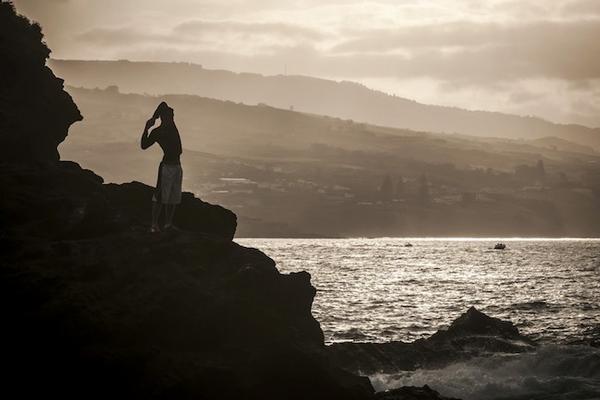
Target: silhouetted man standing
<point x="170" y="174"/>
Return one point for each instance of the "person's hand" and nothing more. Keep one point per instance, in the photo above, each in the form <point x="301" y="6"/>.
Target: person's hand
<point x="150" y="123"/>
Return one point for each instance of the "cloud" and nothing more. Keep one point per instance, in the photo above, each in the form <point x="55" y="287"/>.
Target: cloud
<point x="464" y="53"/>
<point x="120" y="37"/>
<point x="478" y="42"/>
<point x="199" y="27"/>
<point x="585" y="8"/>
<point x="478" y="51"/>
<point x="474" y="52"/>
<point x="473" y="34"/>
<point x="525" y="96"/>
<point x="243" y="38"/>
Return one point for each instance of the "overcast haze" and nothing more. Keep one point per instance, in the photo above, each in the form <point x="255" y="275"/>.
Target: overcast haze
<point x="529" y="57"/>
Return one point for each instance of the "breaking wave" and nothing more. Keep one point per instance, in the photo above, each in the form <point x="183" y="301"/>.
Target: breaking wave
<point x="551" y="372"/>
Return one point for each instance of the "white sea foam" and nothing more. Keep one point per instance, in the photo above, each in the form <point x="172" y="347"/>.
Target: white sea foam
<point x="552" y="372"/>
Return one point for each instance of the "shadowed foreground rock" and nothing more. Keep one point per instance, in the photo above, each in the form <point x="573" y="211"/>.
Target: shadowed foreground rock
<point x="470" y="335"/>
<point x="63" y="201"/>
<point x="94" y="306"/>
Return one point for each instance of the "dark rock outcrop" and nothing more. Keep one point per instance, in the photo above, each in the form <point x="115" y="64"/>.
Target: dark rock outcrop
<point x="133" y="314"/>
<point x="91" y="299"/>
<point x="470" y="335"/>
<point x="35" y="111"/>
<point x="94" y="306"/>
<point x="62" y="201"/>
<point x="481" y="331"/>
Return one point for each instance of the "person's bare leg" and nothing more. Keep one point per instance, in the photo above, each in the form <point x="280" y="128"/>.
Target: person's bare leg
<point x="169" y="213"/>
<point x="156" y="207"/>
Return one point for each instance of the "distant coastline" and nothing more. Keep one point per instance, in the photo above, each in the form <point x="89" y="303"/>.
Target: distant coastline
<point x="433" y="238"/>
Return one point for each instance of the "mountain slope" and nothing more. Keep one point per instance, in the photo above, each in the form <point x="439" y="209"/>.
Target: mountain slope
<point x="340" y="99"/>
<point x="290" y="173"/>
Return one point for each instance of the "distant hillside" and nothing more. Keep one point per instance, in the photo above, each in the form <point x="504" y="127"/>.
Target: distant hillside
<point x="346" y="100"/>
<point x="238" y="130"/>
<point x="288" y="173"/>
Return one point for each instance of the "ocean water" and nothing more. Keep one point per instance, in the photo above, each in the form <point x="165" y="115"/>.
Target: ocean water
<point x="377" y="290"/>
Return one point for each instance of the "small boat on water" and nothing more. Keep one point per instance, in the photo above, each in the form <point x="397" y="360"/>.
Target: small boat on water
<point x="408" y="245"/>
<point x="499" y="246"/>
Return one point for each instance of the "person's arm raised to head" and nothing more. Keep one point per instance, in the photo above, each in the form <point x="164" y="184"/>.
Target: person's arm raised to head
<point x="148" y="140"/>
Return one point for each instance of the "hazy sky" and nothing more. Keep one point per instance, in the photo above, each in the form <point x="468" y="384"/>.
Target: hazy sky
<point x="538" y="57"/>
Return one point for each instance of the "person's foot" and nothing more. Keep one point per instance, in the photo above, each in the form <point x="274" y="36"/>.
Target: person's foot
<point x="171" y="227"/>
<point x="154" y="229"/>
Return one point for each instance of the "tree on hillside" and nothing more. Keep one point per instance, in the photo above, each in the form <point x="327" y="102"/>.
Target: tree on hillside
<point x="386" y="190"/>
<point x="562" y="180"/>
<point x="423" y="195"/>
<point x="533" y="174"/>
<point x="541" y="171"/>
<point x="400" y="188"/>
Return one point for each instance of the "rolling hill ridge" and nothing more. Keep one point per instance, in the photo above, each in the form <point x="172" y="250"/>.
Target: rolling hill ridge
<point x="344" y="99"/>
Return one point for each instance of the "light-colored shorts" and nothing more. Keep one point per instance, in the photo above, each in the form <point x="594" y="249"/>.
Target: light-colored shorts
<point x="168" y="186"/>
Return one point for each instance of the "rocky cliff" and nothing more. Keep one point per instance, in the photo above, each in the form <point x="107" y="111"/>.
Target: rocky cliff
<point x="97" y="302"/>
<point x="35" y="111"/>
<point x="94" y="306"/>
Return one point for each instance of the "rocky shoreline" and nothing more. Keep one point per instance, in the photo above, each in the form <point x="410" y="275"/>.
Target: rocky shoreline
<point x="94" y="300"/>
<point x="473" y="334"/>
